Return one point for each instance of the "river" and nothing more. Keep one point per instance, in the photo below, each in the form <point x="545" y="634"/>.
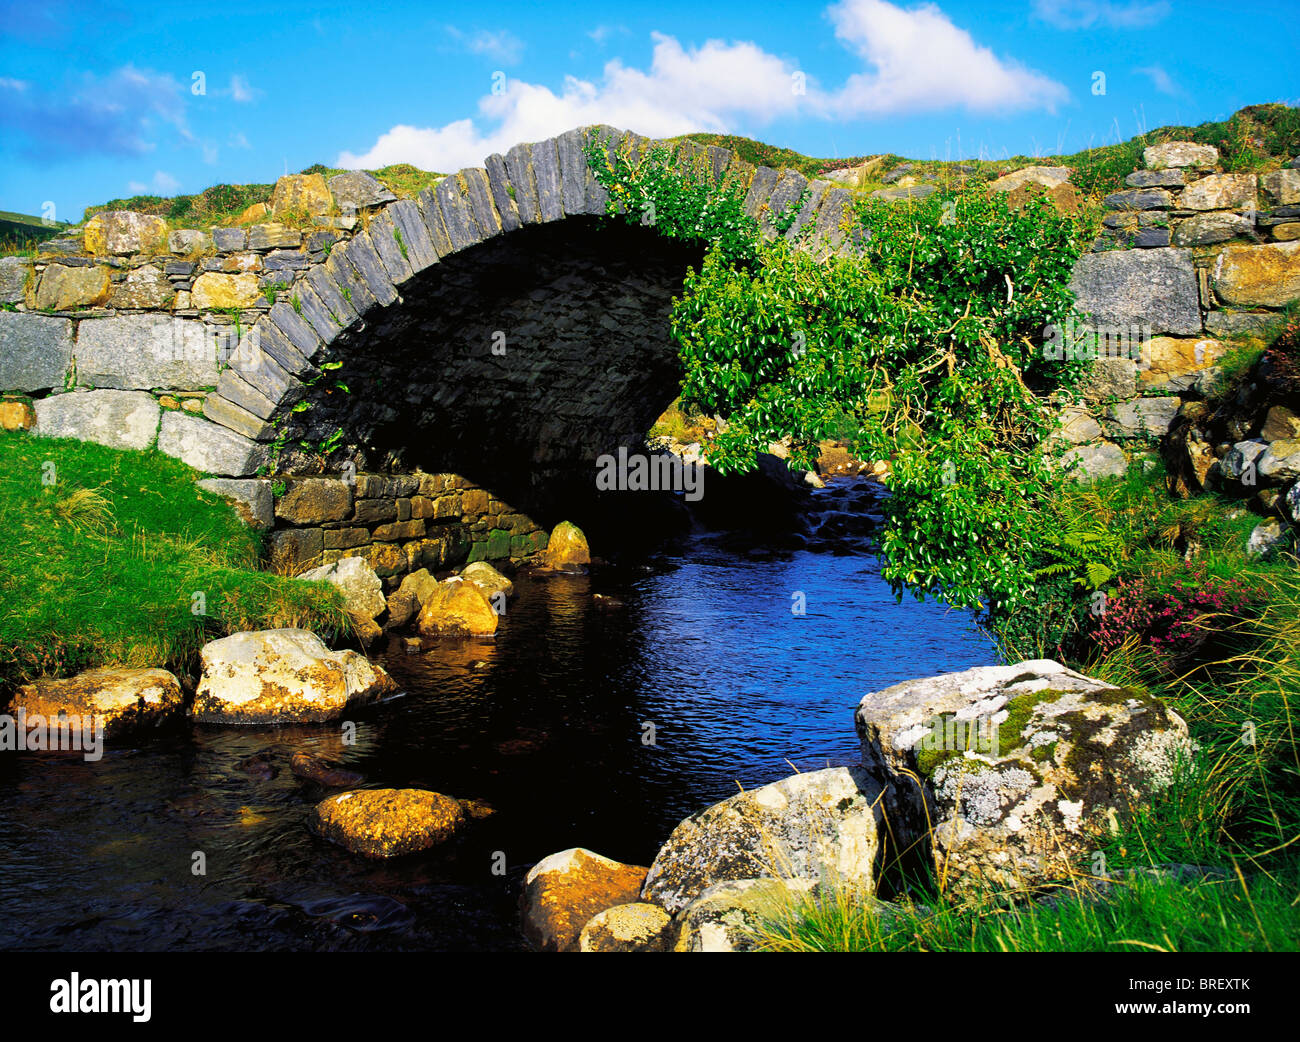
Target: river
<point x="596" y="722"/>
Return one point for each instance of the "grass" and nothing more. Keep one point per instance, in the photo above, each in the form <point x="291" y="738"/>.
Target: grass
<point x="1255" y="139"/>
<point x="101" y="566"/>
<point x="223" y="204"/>
<point x="1242" y="799"/>
<point x="403" y="180"/>
<point x="1139" y="913"/>
<point x="681" y="425"/>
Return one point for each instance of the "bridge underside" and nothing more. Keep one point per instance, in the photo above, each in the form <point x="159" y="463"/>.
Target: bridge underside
<point x="514" y="363"/>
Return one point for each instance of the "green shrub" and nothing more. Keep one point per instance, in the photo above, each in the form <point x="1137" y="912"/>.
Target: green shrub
<point x="927" y="340"/>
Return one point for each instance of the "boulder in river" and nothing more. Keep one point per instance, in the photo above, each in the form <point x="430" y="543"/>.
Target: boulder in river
<point x="457" y="608"/>
<point x="128" y="700"/>
<point x="731" y="916"/>
<point x="823" y="826"/>
<point x="566" y="550"/>
<point x="382" y="823"/>
<point x="405" y="602"/>
<point x="282" y="676"/>
<point x="1024" y="769"/>
<point x="565" y="891"/>
<point x="637" y="927"/>
<point x="487" y="578"/>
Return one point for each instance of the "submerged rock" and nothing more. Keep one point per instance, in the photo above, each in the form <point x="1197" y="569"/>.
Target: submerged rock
<point x="477" y="810"/>
<point x="314" y="769"/>
<point x="127" y="700"/>
<point x="823" y="826"/>
<point x="282" y="676"/>
<point x="1023" y="769"/>
<point x="565" y="891"/>
<point x="259" y="765"/>
<point x="382" y="823"/>
<point x="637" y="927"/>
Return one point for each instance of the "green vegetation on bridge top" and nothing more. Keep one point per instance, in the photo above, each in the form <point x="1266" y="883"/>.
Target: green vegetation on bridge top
<point x="1258" y="137"/>
<point x="223" y="204"/>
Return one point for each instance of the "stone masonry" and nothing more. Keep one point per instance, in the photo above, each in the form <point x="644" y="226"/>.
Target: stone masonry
<point x="1189" y="259"/>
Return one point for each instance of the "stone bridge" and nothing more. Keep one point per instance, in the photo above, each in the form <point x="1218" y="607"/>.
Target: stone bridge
<point x="494" y="326"/>
<point x="484" y="343"/>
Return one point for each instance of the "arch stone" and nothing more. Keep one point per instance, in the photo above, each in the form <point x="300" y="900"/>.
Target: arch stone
<point x="532" y="185"/>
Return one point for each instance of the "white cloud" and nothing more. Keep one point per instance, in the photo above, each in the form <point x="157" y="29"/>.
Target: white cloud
<point x="914" y="60"/>
<point x="920" y="61"/>
<point x="683" y="90"/>
<point x="502" y="46"/>
<point x="1085" y="14"/>
<point x="239" y="140"/>
<point x="603" y="32"/>
<point x="9" y="83"/>
<point x="1160" y="79"/>
<point x="241" y="90"/>
<point x="162" y="184"/>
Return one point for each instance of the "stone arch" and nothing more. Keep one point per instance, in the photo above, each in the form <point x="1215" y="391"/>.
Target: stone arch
<point x="534" y="202"/>
<point x="232" y="397"/>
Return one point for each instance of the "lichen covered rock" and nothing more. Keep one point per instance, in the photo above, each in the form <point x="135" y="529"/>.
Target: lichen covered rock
<point x="457" y="608"/>
<point x="404" y="603"/>
<point x="487" y="578"/>
<point x="565" y="891"/>
<point x="636" y="927"/>
<point x="732" y="916"/>
<point x="282" y="676"/>
<point x="128" y="700"/>
<point x="566" y="550"/>
<point x="382" y="823"/>
<point x="363" y="591"/>
<point x="1024" y="768"/>
<point x="823" y="826"/>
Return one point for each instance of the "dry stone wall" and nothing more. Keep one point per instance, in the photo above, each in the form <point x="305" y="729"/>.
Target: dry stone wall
<point x="1189" y="258"/>
<point x="397" y="523"/>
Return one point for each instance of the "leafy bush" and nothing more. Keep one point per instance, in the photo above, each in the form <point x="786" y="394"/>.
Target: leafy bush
<point x="926" y="339"/>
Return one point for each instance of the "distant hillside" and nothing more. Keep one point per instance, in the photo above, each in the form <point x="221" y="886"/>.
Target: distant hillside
<point x="19" y="230"/>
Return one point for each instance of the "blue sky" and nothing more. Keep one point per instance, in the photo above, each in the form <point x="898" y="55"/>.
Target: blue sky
<point x="107" y="99"/>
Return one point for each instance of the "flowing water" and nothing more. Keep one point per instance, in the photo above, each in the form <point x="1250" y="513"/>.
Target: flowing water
<point x="596" y="722"/>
